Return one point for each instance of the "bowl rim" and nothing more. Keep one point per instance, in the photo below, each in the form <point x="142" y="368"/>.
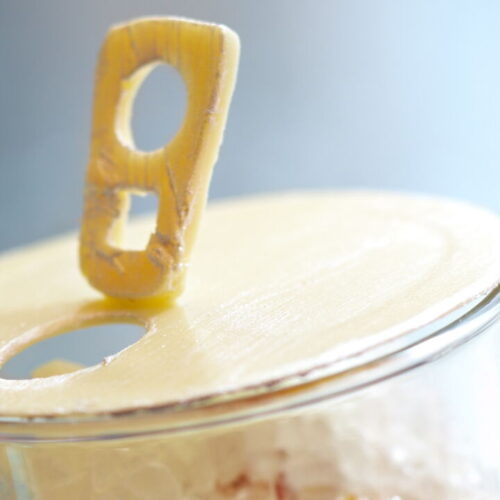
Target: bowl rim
<point x="325" y="383"/>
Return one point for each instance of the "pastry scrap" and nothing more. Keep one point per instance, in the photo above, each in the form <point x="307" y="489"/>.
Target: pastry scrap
<point x="206" y="56"/>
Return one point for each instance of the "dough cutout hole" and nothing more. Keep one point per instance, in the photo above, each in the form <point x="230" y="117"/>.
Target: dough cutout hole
<point x="71" y="351"/>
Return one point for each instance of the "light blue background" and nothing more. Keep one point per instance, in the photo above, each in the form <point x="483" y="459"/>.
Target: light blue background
<point x="331" y="93"/>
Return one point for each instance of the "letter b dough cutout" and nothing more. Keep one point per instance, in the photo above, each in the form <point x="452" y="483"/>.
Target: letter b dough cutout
<point x="206" y="56"/>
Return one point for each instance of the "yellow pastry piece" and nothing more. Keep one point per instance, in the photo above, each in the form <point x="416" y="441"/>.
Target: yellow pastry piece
<point x="278" y="285"/>
<point x="56" y="367"/>
<point x="206" y="56"/>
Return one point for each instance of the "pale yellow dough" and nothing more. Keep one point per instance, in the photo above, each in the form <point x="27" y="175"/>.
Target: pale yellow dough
<point x="206" y="56"/>
<point x="277" y="284"/>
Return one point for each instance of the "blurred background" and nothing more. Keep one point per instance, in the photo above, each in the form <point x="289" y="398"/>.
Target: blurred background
<point x="331" y="93"/>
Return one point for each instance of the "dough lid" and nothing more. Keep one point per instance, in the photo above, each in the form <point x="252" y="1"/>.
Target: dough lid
<point x="279" y="286"/>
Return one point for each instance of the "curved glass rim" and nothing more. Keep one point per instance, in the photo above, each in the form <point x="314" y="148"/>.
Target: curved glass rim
<point x="326" y="383"/>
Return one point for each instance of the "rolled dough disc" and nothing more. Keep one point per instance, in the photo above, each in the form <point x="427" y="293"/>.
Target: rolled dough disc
<point x="278" y="285"/>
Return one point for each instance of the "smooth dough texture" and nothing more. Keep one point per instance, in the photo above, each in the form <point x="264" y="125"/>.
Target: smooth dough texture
<point x="278" y="284"/>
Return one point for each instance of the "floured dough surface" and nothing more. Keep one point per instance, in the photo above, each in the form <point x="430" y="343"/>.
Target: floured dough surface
<point x="278" y="285"/>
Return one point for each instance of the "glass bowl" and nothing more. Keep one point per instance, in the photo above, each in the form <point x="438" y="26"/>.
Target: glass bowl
<point x="412" y="420"/>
